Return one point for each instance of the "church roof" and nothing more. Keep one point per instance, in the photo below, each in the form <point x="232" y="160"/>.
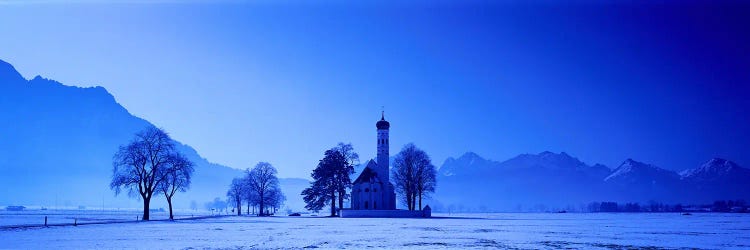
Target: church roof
<point x="383" y="124"/>
<point x="368" y="173"/>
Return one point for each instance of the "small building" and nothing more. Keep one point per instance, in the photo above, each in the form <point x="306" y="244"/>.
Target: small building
<point x="15" y="208"/>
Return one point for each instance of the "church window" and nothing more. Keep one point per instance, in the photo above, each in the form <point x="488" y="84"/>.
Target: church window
<point x="386" y="140"/>
<point x="374" y="190"/>
<point x="367" y="190"/>
<point x="366" y="205"/>
<point x="374" y="205"/>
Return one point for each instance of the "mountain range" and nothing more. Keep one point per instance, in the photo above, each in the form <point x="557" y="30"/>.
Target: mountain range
<point x="57" y="143"/>
<point x="558" y="180"/>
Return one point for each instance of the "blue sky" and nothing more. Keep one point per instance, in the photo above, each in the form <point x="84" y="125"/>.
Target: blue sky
<point x="244" y="82"/>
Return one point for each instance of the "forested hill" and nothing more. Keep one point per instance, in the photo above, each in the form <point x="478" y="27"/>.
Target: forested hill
<point x="57" y="143"/>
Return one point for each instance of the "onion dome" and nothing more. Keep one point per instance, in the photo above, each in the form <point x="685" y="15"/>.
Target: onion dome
<point x="383" y="124"/>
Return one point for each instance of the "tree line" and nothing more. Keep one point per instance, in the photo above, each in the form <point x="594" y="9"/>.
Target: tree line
<point x="259" y="188"/>
<point x="655" y="206"/>
<point x="150" y="165"/>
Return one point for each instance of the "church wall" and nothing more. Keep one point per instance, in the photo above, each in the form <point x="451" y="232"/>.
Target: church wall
<point x="347" y="213"/>
<point x="372" y="197"/>
<point x="378" y="197"/>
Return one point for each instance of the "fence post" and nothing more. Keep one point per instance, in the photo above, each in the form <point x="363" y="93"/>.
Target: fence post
<point x="45" y="221"/>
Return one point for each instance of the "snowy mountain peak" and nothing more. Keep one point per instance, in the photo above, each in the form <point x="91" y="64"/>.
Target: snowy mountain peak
<point x="631" y="169"/>
<point x="470" y="158"/>
<point x="547" y="160"/>
<point x="712" y="169"/>
<point x="626" y="167"/>
<point x="467" y="162"/>
<point x="630" y="161"/>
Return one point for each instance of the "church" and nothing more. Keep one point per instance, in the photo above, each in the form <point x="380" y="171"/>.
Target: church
<point x="373" y="194"/>
<point x="373" y="189"/>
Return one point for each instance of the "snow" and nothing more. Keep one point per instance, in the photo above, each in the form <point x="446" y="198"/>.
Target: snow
<point x="630" y="166"/>
<point x="519" y="230"/>
<point x="714" y="168"/>
<point x="69" y="216"/>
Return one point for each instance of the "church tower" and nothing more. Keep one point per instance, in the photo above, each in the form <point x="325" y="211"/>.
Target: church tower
<point x="373" y="189"/>
<point x="382" y="160"/>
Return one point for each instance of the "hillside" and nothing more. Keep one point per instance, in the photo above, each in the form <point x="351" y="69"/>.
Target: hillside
<point x="57" y="144"/>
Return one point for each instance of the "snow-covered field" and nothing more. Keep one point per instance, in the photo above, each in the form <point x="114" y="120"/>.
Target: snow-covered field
<point x="520" y="230"/>
<point x="69" y="216"/>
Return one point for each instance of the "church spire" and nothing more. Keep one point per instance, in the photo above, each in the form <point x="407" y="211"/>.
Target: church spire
<point x="382" y="113"/>
<point x="382" y="124"/>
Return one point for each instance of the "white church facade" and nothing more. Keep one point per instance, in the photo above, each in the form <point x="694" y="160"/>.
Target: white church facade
<point x="373" y="189"/>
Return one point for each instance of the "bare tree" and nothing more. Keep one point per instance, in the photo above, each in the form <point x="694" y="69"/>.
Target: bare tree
<point x="139" y="166"/>
<point x="414" y="175"/>
<point x="403" y="182"/>
<point x="275" y="199"/>
<point x="176" y="178"/>
<point x="237" y="191"/>
<point x="262" y="179"/>
<point x="250" y="198"/>
<point x="426" y="180"/>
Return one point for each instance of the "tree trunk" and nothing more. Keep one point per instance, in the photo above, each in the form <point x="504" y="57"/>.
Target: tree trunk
<point x="408" y="200"/>
<point x="333" y="203"/>
<point x="420" y="201"/>
<point x="341" y="200"/>
<point x="169" y="201"/>
<point x="414" y="202"/>
<point x="411" y="204"/>
<point x="146" y="203"/>
<point x="262" y="205"/>
<point x="239" y="206"/>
